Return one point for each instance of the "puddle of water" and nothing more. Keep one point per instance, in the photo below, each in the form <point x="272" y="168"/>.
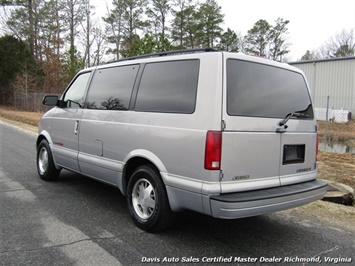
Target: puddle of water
<point x="336" y="147"/>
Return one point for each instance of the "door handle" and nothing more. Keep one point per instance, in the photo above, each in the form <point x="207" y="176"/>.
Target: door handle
<point x="76" y="127"/>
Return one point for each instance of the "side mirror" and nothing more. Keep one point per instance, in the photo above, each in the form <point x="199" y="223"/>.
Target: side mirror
<point x="50" y="100"/>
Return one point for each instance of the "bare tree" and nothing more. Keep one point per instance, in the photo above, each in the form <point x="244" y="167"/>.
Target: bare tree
<point x="88" y="32"/>
<point x="75" y="14"/>
<point x="22" y="21"/>
<point x="340" y="45"/>
<point x="100" y="45"/>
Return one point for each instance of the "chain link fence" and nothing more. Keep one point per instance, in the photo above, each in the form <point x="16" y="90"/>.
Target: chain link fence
<point x="337" y="108"/>
<point x="31" y="102"/>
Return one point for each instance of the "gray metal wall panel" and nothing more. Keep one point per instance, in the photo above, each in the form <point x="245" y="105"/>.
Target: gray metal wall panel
<point x="335" y="78"/>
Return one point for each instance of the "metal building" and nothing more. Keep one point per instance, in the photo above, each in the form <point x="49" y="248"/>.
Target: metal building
<point x="331" y="77"/>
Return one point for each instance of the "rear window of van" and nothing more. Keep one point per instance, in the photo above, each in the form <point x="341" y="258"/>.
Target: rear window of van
<point x="259" y="90"/>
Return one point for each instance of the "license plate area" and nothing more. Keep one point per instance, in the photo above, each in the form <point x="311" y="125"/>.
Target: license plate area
<point x="293" y="154"/>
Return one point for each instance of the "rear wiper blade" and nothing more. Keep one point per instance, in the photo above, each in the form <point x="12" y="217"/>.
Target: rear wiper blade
<point x="288" y="116"/>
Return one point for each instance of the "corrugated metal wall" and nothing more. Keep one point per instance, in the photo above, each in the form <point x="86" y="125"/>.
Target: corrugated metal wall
<point x="333" y="77"/>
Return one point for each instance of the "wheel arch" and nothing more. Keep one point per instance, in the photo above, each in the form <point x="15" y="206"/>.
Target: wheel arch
<point x="138" y="158"/>
<point x="44" y="135"/>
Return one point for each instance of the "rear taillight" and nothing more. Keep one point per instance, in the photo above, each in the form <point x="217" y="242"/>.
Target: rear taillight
<point x="213" y="150"/>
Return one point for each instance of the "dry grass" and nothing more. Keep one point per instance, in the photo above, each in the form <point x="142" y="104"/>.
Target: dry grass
<point x="337" y="167"/>
<point x="30" y="118"/>
<point x="333" y="166"/>
<point x="343" y="132"/>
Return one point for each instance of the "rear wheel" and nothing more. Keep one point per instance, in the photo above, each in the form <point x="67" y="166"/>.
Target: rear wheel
<point x="45" y="164"/>
<point x="147" y="200"/>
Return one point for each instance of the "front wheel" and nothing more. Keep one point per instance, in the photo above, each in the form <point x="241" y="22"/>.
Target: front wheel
<point x="147" y="200"/>
<point x="45" y="164"/>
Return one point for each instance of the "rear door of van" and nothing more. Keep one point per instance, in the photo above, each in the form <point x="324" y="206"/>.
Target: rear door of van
<point x="269" y="136"/>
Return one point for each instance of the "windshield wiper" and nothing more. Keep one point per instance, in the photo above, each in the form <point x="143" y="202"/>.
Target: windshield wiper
<point x="288" y="116"/>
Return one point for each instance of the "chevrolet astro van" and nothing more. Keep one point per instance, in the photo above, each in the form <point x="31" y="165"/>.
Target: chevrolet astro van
<point x="223" y="134"/>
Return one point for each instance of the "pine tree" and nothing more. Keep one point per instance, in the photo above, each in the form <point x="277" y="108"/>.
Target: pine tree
<point x="114" y="26"/>
<point x="210" y="18"/>
<point x="229" y="41"/>
<point x="158" y="12"/>
<point x="258" y="38"/>
<point x="178" y="25"/>
<point x="278" y="45"/>
<point x="124" y="21"/>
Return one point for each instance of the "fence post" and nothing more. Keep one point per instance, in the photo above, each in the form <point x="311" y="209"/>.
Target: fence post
<point x="326" y="122"/>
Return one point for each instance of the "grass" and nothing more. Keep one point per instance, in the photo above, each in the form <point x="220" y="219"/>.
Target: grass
<point x="342" y="132"/>
<point x="29" y="118"/>
<point x="337" y="167"/>
<point x="332" y="166"/>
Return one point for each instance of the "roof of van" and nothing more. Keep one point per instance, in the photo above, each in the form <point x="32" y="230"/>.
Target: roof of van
<point x="239" y="55"/>
<point x="175" y="52"/>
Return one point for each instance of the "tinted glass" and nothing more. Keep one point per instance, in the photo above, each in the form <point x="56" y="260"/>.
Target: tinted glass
<point x="264" y="91"/>
<point x="168" y="87"/>
<point x="74" y="96"/>
<point x="111" y="88"/>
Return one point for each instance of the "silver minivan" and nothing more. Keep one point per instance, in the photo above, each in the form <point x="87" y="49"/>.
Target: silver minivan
<point x="223" y="134"/>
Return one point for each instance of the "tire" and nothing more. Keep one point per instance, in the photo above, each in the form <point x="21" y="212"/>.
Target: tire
<point x="147" y="200"/>
<point x="45" y="164"/>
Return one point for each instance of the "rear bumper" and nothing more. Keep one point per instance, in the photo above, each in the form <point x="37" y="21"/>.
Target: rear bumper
<point x="252" y="203"/>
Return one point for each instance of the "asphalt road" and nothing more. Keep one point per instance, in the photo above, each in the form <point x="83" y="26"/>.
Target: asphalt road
<point x="78" y="221"/>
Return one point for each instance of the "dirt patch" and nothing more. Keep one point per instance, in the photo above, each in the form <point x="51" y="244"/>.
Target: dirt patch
<point x="337" y="167"/>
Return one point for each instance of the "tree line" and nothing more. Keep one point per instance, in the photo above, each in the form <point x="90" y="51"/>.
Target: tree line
<point x="45" y="42"/>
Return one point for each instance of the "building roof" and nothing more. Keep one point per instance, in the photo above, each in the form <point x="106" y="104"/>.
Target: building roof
<point x="323" y="60"/>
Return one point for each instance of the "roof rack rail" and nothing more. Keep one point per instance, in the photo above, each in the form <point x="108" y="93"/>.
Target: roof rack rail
<point x="175" y="52"/>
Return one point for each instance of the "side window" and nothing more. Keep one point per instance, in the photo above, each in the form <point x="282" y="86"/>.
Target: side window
<point x="111" y="88"/>
<point x="74" y="96"/>
<point x="169" y="87"/>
